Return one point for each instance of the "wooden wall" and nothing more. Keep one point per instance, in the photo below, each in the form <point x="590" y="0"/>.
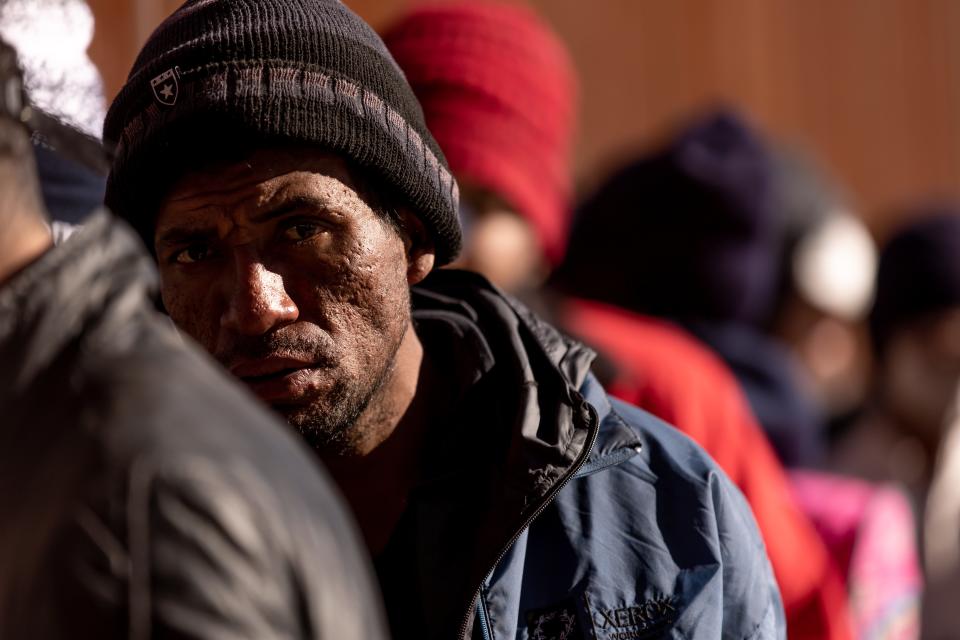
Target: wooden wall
<point x="871" y="86"/>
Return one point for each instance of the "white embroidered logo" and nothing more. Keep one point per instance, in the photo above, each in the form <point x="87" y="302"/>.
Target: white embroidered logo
<point x="165" y="87"/>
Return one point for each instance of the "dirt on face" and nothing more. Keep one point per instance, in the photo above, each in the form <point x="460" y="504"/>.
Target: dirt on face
<point x="280" y="267"/>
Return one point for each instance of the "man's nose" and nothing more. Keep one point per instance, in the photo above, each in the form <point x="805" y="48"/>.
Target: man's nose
<point x="259" y="301"/>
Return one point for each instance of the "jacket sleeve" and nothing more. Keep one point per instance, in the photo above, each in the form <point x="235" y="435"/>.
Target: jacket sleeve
<point x="752" y="608"/>
<point x="203" y="561"/>
<point x="215" y="555"/>
<point x="196" y="549"/>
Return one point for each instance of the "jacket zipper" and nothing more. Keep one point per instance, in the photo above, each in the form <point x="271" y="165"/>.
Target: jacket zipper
<point x="594" y="433"/>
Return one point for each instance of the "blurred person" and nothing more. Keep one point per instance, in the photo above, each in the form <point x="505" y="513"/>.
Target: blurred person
<point x="870" y="533"/>
<point x="828" y="266"/>
<point x="499" y="94"/>
<point x="497" y="90"/>
<point x="145" y="495"/>
<point x="827" y="275"/>
<point x="51" y="38"/>
<point x="915" y="328"/>
<point x="861" y="576"/>
<point x="941" y="522"/>
<point x="691" y="231"/>
<point x="277" y="161"/>
<point x="909" y="432"/>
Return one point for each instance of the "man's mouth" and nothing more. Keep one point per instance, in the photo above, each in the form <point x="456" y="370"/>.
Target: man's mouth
<point x="277" y="379"/>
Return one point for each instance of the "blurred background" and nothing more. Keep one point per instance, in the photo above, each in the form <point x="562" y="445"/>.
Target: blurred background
<point x="873" y="86"/>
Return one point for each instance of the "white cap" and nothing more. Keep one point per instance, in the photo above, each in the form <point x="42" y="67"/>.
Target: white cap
<point x="835" y="266"/>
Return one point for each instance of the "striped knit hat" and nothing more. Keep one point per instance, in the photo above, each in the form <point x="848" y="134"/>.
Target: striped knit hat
<point x="499" y="93"/>
<point x="226" y="74"/>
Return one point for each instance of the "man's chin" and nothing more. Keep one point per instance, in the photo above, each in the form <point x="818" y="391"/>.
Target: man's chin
<point x="326" y="413"/>
<point x="327" y="427"/>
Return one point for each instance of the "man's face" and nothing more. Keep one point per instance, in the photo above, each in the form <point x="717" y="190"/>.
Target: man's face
<point x="280" y="268"/>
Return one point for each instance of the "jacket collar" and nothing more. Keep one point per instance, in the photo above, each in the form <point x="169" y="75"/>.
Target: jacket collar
<point x="550" y="431"/>
<point x="533" y="360"/>
<point x="616" y="440"/>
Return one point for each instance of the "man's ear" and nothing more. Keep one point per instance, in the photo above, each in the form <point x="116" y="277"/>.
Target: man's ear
<point x="421" y="254"/>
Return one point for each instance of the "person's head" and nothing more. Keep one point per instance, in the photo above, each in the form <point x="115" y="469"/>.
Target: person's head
<point x="915" y="321"/>
<point x="686" y="231"/>
<point x="498" y="91"/>
<point x="827" y="276"/>
<point x="23" y="232"/>
<point x="276" y="161"/>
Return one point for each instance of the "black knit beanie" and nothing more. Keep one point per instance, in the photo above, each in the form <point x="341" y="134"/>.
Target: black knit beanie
<point x="919" y="271"/>
<point x="221" y="75"/>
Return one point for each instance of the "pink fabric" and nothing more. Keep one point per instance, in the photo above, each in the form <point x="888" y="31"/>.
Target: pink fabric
<point x="870" y="533"/>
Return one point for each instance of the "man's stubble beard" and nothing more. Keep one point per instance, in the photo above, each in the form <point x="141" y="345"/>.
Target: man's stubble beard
<point x="337" y="424"/>
<point x="332" y="429"/>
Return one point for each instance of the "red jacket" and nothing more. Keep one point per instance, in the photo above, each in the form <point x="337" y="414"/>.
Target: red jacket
<point x="667" y="372"/>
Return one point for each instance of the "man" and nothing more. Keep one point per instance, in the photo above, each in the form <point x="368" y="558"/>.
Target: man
<point x="497" y="90"/>
<point x="144" y="495"/>
<point x="276" y="160"/>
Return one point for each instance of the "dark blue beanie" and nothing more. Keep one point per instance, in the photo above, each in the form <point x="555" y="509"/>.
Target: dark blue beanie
<point x="919" y="271"/>
<point x="688" y="232"/>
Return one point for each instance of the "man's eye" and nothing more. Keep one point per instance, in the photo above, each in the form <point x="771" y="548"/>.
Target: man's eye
<point x="301" y="231"/>
<point x="193" y="254"/>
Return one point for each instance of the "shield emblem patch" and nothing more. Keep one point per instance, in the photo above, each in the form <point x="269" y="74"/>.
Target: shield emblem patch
<point x="166" y="88"/>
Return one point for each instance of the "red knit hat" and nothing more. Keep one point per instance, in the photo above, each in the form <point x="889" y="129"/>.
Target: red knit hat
<point x="499" y="94"/>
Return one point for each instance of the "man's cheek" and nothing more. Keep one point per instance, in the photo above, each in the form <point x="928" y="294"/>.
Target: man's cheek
<point x="192" y="312"/>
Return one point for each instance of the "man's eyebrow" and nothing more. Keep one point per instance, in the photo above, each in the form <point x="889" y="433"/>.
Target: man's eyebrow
<point x="290" y="205"/>
<point x="179" y="236"/>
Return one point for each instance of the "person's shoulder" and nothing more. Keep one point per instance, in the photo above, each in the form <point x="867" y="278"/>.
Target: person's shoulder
<point x="677" y="463"/>
<point x="664" y="459"/>
<point x="155" y="395"/>
<point x="664" y="448"/>
<point x="672" y="463"/>
<point x="660" y="490"/>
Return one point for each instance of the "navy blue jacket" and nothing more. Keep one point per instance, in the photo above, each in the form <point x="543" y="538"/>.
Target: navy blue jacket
<point x="559" y="513"/>
<point x="648" y="539"/>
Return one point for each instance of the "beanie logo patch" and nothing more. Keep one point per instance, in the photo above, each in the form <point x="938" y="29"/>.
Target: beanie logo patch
<point x="166" y="87"/>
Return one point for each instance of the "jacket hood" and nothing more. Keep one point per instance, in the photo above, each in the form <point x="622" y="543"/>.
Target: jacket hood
<point x="546" y="368"/>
